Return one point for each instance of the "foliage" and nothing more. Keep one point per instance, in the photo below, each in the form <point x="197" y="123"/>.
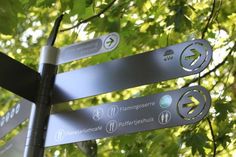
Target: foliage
<point x="143" y="25"/>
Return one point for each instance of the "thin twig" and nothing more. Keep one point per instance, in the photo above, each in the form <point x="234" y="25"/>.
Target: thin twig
<point x="209" y="19"/>
<point x="90" y="18"/>
<point x="213" y="136"/>
<point x="218" y="9"/>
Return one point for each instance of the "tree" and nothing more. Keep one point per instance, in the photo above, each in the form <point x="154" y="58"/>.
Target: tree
<point x="143" y="25"/>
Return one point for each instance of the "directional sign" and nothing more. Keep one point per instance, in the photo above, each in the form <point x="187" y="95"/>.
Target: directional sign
<point x="15" y="147"/>
<point x="162" y="110"/>
<point x="191" y="104"/>
<point x="18" y="78"/>
<point x="15" y="116"/>
<point x="167" y="63"/>
<point x="93" y="47"/>
<point x="193" y="56"/>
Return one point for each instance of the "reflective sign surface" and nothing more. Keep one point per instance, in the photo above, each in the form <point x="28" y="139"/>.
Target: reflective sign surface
<point x="15" y="116"/>
<point x="163" y="64"/>
<point x="168" y="109"/>
<point x="89" y="48"/>
<point x="15" y="147"/>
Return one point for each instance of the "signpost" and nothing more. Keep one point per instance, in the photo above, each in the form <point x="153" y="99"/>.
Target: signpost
<point x="159" y="65"/>
<point x="157" y="111"/>
<point x="46" y="87"/>
<point x="93" y="47"/>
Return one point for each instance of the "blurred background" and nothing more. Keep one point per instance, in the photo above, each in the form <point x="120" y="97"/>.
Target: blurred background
<point x="143" y="25"/>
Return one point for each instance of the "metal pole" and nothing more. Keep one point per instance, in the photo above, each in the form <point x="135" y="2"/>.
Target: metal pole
<point x="41" y="110"/>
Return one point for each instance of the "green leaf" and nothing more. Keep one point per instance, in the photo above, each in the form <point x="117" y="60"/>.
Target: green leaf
<point x="89" y="3"/>
<point x="223" y="109"/>
<point x="79" y="7"/>
<point x="197" y="141"/>
<point x="179" y="19"/>
<point x="8" y="16"/>
<point x="171" y="149"/>
<point x="45" y="3"/>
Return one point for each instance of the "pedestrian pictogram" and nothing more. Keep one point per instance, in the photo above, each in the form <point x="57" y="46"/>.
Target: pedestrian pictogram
<point x="97" y="114"/>
<point x="111" y="126"/>
<point x="164" y="117"/>
<point x="113" y="111"/>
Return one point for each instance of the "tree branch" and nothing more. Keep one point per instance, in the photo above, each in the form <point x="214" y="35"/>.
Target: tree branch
<point x="90" y="18"/>
<point x="213" y="136"/>
<point x="215" y="68"/>
<point x="209" y="19"/>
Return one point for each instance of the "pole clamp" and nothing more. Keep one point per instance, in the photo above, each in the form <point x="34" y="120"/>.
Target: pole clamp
<point x="49" y="55"/>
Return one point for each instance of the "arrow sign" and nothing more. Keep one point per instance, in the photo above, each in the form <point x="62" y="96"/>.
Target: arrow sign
<point x="193" y="56"/>
<point x="15" y="147"/>
<point x="89" y="48"/>
<point x="188" y="108"/>
<point x="140" y="114"/>
<point x="14" y="117"/>
<point x="109" y="42"/>
<point x="18" y="78"/>
<point x="155" y="66"/>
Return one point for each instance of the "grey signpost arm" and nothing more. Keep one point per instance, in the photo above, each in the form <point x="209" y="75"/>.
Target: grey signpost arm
<point x="41" y="110"/>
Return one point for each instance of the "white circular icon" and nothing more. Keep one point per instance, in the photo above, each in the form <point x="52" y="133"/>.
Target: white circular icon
<point x="111" y="41"/>
<point x="113" y="111"/>
<point x="111" y="126"/>
<point x="164" y="117"/>
<point x="17" y="108"/>
<point x="7" y="117"/>
<point x="12" y="112"/>
<point x="2" y="121"/>
<point x="97" y="114"/>
<point x="59" y="136"/>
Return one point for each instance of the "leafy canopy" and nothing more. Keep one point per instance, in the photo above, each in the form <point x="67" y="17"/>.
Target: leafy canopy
<point x="143" y="25"/>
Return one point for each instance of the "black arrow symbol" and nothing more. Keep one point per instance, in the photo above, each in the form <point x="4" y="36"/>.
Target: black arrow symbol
<point x="110" y="41"/>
